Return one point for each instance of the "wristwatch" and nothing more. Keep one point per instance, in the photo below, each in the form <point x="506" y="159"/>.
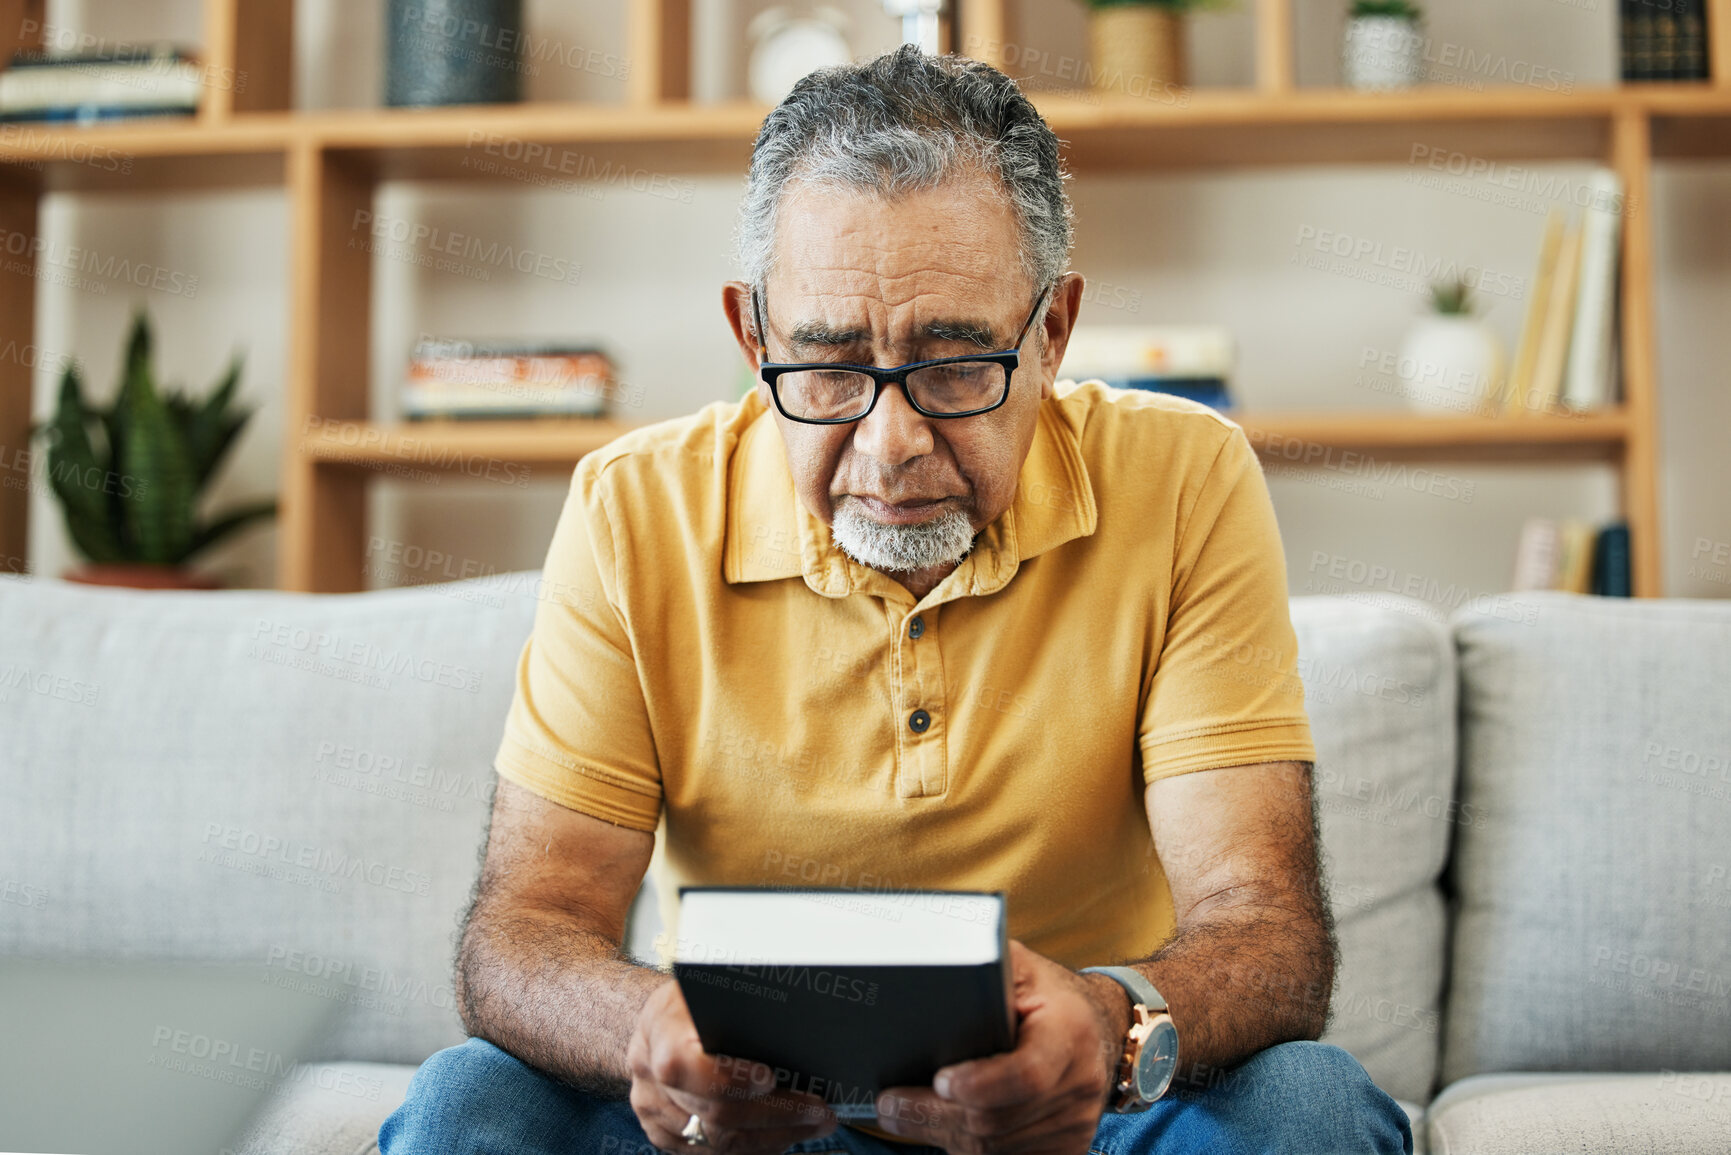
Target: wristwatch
<point x="1150" y="1056"/>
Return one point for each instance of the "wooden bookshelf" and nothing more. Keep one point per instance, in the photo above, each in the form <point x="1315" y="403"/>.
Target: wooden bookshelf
<point x="331" y="163"/>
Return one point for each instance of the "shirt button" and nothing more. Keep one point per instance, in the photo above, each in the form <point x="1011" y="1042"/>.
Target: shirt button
<point x="916" y="628"/>
<point x="919" y="721"/>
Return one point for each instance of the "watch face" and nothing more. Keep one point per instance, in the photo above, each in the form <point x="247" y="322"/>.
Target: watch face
<point x="1158" y="1061"/>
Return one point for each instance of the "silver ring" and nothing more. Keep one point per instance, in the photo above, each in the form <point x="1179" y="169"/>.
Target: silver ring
<point x="693" y="1133"/>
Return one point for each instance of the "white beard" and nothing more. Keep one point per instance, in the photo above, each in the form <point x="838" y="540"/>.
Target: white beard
<point x="944" y="540"/>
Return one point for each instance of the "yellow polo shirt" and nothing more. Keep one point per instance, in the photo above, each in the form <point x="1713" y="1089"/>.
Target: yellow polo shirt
<point x="704" y="654"/>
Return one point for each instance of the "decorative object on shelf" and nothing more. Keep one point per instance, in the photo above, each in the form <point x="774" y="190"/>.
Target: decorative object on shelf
<point x="84" y="88"/>
<point x="1663" y="39"/>
<point x="453" y="52"/>
<point x="1451" y="362"/>
<point x="922" y="22"/>
<point x="1190" y="361"/>
<point x="1383" y="45"/>
<point x="131" y="497"/>
<point x="1137" y="45"/>
<point x="789" y="44"/>
<point x="464" y="380"/>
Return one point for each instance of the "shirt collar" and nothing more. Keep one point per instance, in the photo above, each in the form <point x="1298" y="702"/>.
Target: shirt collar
<point x="771" y="535"/>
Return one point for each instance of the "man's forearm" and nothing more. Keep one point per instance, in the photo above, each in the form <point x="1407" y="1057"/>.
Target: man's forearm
<point x="1238" y="982"/>
<point x="559" y="996"/>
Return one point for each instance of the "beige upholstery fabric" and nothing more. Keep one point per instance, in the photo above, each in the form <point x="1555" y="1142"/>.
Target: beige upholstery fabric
<point x="1671" y="1113"/>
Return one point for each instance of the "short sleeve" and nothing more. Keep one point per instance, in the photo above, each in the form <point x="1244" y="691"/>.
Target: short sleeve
<point x="1225" y="691"/>
<point x="578" y="731"/>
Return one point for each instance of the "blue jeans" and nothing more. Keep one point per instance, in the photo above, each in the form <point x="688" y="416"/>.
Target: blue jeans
<point x="1297" y="1097"/>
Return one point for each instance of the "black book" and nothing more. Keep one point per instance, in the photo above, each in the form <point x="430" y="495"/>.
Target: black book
<point x="846" y="992"/>
<point x="1611" y="577"/>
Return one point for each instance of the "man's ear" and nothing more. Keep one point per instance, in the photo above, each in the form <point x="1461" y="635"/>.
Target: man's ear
<point x="736" y="303"/>
<point x="1059" y="323"/>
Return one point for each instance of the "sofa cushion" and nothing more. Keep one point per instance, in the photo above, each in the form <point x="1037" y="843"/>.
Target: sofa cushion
<point x="328" y="1109"/>
<point x="1594" y="930"/>
<point x="1671" y="1113"/>
<point x="276" y="778"/>
<point x="1379" y="686"/>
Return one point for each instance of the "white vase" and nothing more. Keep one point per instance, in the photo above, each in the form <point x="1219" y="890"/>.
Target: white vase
<point x="1451" y="365"/>
<point x="1381" y="52"/>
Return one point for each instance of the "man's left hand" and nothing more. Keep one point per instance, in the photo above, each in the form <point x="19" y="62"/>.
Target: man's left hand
<point x="1044" y="1097"/>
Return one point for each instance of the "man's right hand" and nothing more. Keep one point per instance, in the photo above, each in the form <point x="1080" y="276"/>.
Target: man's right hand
<point x="673" y="1079"/>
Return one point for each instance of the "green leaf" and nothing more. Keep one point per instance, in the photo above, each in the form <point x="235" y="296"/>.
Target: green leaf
<point x="159" y="505"/>
<point x="228" y="523"/>
<point x="79" y="477"/>
<point x="211" y="428"/>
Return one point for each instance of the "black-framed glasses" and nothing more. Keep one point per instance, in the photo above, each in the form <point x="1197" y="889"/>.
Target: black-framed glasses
<point x="834" y="393"/>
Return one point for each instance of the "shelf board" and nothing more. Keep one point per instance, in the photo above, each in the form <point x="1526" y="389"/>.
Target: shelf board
<point x="469" y="447"/>
<point x="1593" y="436"/>
<point x="474" y="448"/>
<point x="547" y="144"/>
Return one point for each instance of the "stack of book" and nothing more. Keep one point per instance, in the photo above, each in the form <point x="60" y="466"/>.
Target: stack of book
<point x="1664" y="39"/>
<point x="1574" y="556"/>
<point x="1567" y="353"/>
<point x="158" y="81"/>
<point x="1191" y="361"/>
<point x="464" y="380"/>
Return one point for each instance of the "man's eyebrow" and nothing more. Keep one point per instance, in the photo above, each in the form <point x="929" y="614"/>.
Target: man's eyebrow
<point x="816" y="334"/>
<point x="976" y="333"/>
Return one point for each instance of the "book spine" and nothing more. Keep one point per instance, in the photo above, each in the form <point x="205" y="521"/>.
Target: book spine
<point x="1611" y="564"/>
<point x="1586" y="384"/>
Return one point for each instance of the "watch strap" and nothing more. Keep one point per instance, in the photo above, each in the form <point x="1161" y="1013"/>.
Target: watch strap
<point x="1141" y="990"/>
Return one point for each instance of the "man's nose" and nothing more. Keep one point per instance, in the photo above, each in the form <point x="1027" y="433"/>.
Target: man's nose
<point x="893" y="432"/>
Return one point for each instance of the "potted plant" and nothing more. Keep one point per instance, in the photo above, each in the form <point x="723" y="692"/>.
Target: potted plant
<point x="1138" y="45"/>
<point x="131" y="493"/>
<point x="1451" y="362"/>
<point x="1383" y="45"/>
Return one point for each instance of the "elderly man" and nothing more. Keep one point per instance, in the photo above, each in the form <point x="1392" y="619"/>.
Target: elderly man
<point x="913" y="615"/>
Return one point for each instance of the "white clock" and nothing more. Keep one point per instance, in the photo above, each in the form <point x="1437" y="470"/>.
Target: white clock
<point x="790" y="45"/>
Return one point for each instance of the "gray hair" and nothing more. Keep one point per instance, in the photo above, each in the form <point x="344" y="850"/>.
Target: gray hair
<point x="903" y="123"/>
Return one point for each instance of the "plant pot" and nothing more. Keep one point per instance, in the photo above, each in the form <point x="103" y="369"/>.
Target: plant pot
<point x="1451" y="365"/>
<point x="1381" y="52"/>
<point x="1137" y="49"/>
<point x="141" y="576"/>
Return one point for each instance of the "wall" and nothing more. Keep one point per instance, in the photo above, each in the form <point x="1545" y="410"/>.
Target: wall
<point x="1211" y="247"/>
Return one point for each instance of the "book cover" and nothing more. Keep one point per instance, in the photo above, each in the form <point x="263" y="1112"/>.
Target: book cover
<point x="845" y="993"/>
<point x="1611" y="563"/>
<point x="1533" y="328"/>
<point x="1575" y="557"/>
<point x="165" y="80"/>
<point x="1587" y="380"/>
<point x="1536" y="556"/>
<point x="1547" y="384"/>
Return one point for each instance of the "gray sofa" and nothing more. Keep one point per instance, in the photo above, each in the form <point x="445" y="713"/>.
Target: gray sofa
<point x="1526" y="816"/>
